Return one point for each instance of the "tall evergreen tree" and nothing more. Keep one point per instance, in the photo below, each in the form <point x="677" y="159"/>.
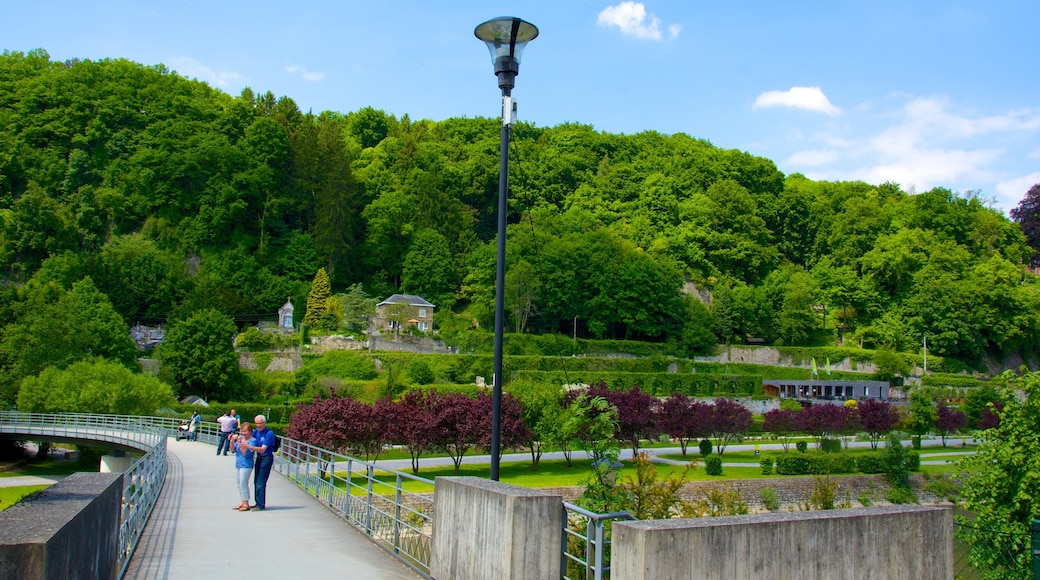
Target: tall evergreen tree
<point x="318" y="299"/>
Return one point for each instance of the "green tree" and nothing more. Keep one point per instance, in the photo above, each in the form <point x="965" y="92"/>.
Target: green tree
<point x="93" y="386"/>
<point x="540" y="410"/>
<point x="922" y="413"/>
<point x="1001" y="487"/>
<point x="199" y="357"/>
<point x="429" y="270"/>
<point x="56" y="328"/>
<point x="317" y="299"/>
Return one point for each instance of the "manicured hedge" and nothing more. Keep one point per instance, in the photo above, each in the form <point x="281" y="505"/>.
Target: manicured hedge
<point x="815" y="463"/>
<point x="657" y="384"/>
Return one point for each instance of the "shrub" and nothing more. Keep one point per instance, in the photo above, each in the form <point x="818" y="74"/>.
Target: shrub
<point x="914" y="461"/>
<point x="916" y="441"/>
<point x="705" y="447"/>
<point x="770" y="498"/>
<point x="253" y="338"/>
<point x="802" y="446"/>
<point x="716" y="502"/>
<point x="823" y="494"/>
<point x="767" y="465"/>
<point x="901" y="494"/>
<point x="713" y="465"/>
<point x="897" y="463"/>
<point x="873" y="462"/>
<point x="942" y="486"/>
<point x="792" y="464"/>
<point x="420" y="372"/>
<point x="828" y="445"/>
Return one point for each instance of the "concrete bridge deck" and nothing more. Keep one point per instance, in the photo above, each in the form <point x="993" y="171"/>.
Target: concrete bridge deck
<point x="193" y="532"/>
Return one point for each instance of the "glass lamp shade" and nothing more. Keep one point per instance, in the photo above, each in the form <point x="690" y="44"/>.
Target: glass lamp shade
<point x="506" y="37"/>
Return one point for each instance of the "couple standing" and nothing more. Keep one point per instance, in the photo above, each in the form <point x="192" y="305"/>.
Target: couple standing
<point x="253" y="454"/>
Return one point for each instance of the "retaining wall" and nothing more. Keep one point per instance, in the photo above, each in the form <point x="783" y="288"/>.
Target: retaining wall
<point x="892" y="542"/>
<point x="69" y="531"/>
<point x="485" y="529"/>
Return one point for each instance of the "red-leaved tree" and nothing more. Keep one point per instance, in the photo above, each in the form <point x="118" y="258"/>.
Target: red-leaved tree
<point x="947" y="421"/>
<point x="783" y="423"/>
<point x="637" y="413"/>
<point x="685" y="419"/>
<point x="729" y="421"/>
<point x="821" y="419"/>
<point x="877" y="418"/>
<point x="414" y="424"/>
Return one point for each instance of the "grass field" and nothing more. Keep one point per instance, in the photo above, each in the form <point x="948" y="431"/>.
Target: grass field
<point x="12" y="495"/>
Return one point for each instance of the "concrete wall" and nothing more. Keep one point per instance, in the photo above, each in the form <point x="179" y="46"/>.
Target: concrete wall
<point x="891" y="542"/>
<point x="71" y="530"/>
<point x="485" y="529"/>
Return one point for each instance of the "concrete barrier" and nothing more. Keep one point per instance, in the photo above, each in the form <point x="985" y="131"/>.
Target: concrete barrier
<point x="890" y="542"/>
<point x="486" y="529"/>
<point x="71" y="530"/>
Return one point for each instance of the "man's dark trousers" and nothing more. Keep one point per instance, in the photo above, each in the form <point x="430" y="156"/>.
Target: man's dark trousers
<point x="260" y="475"/>
<point x="224" y="444"/>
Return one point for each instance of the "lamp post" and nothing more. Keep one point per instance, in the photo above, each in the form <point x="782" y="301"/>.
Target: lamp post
<point x="506" y="38"/>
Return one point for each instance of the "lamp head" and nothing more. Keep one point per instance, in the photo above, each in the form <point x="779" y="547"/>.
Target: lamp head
<point x="506" y="38"/>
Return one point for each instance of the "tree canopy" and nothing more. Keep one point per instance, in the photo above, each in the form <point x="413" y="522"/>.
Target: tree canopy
<point x="174" y="197"/>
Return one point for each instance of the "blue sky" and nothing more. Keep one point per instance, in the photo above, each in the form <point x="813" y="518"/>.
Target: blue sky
<point x="923" y="93"/>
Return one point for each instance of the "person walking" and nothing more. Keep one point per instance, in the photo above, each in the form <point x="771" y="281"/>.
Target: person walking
<point x="193" y="426"/>
<point x="227" y="427"/>
<point x="244" y="458"/>
<point x="264" y="438"/>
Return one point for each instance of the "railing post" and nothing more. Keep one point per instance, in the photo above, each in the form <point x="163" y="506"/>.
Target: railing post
<point x="563" y="541"/>
<point x="1036" y="549"/>
<point x="397" y="515"/>
<point x="368" y="502"/>
<point x="590" y="549"/>
<point x="599" y="549"/>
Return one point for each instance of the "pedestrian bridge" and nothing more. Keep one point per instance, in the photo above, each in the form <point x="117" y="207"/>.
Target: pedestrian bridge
<point x="332" y="514"/>
<point x="192" y="531"/>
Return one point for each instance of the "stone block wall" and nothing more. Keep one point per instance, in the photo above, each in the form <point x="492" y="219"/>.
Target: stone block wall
<point x="892" y="542"/>
<point x="69" y="531"/>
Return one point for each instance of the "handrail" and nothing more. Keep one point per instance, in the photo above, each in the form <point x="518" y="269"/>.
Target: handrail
<point x="595" y="541"/>
<point x="374" y="500"/>
<point x="142" y="482"/>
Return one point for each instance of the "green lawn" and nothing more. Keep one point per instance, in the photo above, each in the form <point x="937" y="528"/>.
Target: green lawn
<point x="46" y="467"/>
<point x="12" y="495"/>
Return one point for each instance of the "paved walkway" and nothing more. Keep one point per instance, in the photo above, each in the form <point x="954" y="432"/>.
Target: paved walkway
<point x="23" y="480"/>
<point x="193" y="532"/>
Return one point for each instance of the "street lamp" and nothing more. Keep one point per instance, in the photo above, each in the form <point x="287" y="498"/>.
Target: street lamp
<point x="506" y="38"/>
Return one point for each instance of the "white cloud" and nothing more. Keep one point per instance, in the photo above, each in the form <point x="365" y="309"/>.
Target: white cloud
<point x="191" y="68"/>
<point x="633" y="20"/>
<point x="813" y="158"/>
<point x="808" y="98"/>
<point x="926" y="144"/>
<point x="306" y="74"/>
<point x="1011" y="191"/>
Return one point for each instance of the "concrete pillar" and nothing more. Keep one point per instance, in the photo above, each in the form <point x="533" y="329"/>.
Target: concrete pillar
<point x="113" y="464"/>
<point x="890" y="542"/>
<point x="486" y="529"/>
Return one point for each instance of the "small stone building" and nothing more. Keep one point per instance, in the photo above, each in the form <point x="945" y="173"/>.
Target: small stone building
<point x="285" y="315"/>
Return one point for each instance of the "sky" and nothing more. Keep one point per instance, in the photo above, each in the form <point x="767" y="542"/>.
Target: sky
<point x="923" y="93"/>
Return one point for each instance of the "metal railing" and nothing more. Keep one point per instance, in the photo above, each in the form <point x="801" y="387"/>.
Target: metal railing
<point x="587" y="555"/>
<point x="983" y="552"/>
<point x="375" y="501"/>
<point x="142" y="482"/>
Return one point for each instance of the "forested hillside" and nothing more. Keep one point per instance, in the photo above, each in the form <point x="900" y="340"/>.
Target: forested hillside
<point x="173" y="197"/>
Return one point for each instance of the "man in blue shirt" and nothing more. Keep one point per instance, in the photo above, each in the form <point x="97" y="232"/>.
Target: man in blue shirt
<point x="264" y="461"/>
